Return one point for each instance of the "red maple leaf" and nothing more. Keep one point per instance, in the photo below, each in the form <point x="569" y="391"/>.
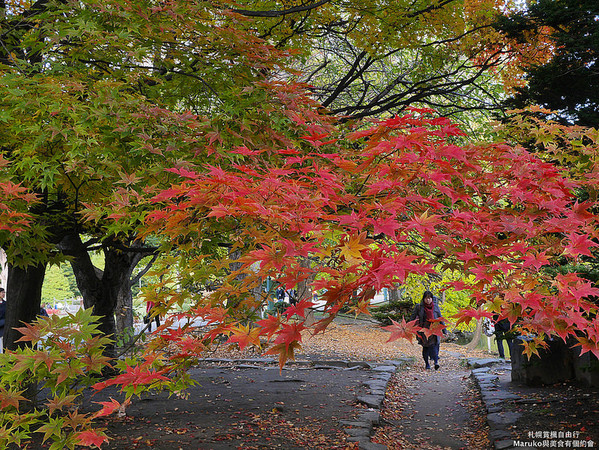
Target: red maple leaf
<point x="579" y="244"/>
<point x="269" y="325"/>
<point x="290" y="333"/>
<point x="436" y="328"/>
<point x="466" y="315"/>
<point x="535" y="260"/>
<point x="134" y="376"/>
<point x="107" y="408"/>
<point x="90" y="438"/>
<point x="406" y="330"/>
<point x="299" y="308"/>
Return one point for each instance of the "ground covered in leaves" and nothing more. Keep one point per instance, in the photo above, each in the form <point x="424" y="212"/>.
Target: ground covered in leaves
<point x="310" y="403"/>
<point x="262" y="408"/>
<point x="561" y="412"/>
<point x="427" y="409"/>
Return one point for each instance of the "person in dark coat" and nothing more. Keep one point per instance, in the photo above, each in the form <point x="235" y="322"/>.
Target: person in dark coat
<point x="426" y="311"/>
<point x="2" y="315"/>
<point x="502" y="333"/>
<point x="280" y="294"/>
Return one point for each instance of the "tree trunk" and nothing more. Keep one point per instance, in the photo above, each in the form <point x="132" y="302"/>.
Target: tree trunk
<point x="303" y="287"/>
<point x="477" y="335"/>
<point x="100" y="289"/>
<point x="90" y="283"/>
<point x="394" y="294"/>
<point x="106" y="291"/>
<point x="23" y="301"/>
<point x="124" y="302"/>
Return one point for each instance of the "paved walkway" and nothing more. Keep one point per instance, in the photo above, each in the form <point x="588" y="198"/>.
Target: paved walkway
<point x="519" y="416"/>
<point x="249" y="404"/>
<point x="435" y="413"/>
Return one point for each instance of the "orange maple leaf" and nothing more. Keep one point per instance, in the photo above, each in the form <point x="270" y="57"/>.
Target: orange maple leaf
<point x="31" y="333"/>
<point x="285" y="351"/>
<point x="10" y="398"/>
<point x="587" y="345"/>
<point x="58" y="403"/>
<point x="352" y="248"/>
<point x="245" y="335"/>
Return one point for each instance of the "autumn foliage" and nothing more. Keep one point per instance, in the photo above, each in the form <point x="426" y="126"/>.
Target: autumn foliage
<point x="267" y="187"/>
<point x="403" y="196"/>
<point x="352" y="213"/>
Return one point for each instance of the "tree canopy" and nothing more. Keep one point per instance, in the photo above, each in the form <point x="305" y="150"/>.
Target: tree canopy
<point x="367" y="58"/>
<point x="189" y="122"/>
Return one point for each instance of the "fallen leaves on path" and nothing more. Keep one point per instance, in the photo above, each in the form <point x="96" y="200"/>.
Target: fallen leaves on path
<point x="358" y="340"/>
<point x="406" y="427"/>
<point x="269" y="430"/>
<point x="350" y="339"/>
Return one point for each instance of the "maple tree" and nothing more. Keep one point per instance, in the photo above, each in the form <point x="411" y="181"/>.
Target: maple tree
<point x="86" y="125"/>
<point x="244" y="179"/>
<point x="490" y="210"/>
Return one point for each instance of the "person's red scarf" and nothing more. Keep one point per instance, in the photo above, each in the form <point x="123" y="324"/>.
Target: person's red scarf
<point x="429" y="311"/>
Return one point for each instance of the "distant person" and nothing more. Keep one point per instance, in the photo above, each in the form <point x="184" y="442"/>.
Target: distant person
<point x="502" y="333"/>
<point x="280" y="294"/>
<point x="43" y="312"/>
<point x="148" y="318"/>
<point x="426" y="311"/>
<point x="2" y="317"/>
<point x="292" y="297"/>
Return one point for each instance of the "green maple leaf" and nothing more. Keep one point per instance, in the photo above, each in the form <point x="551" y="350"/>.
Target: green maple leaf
<point x="53" y="428"/>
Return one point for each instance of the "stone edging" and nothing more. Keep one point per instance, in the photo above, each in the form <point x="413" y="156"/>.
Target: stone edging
<point x="494" y="396"/>
<point x="361" y="428"/>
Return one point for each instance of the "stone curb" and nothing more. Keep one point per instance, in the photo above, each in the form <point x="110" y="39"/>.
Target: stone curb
<point x="494" y="396"/>
<point x="361" y="428"/>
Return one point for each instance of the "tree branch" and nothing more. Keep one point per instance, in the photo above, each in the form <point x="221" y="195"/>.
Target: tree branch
<point x="284" y="12"/>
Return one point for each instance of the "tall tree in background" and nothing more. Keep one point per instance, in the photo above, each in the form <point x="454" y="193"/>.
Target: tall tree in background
<point x="568" y="82"/>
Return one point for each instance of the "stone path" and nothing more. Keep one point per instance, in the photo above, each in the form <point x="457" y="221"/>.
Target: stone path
<point x="492" y="376"/>
<point x="432" y="405"/>
<point x="251" y="404"/>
